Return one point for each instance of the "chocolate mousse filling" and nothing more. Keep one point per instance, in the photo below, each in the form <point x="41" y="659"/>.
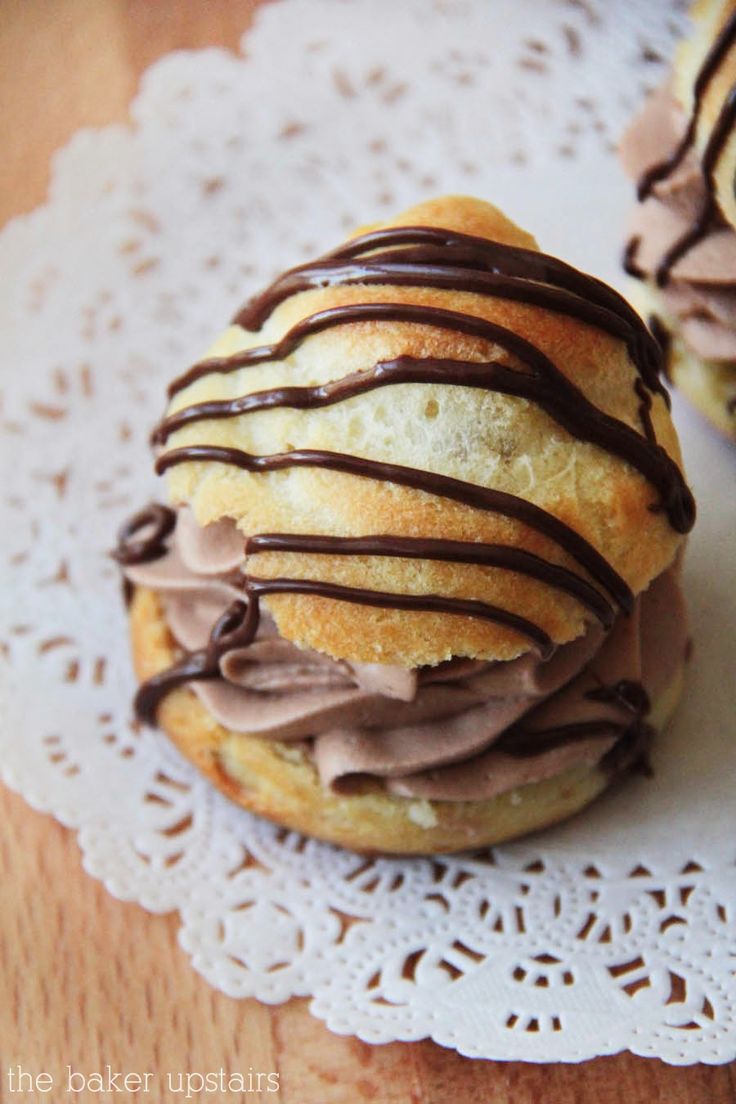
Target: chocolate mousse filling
<point x="462" y="730"/>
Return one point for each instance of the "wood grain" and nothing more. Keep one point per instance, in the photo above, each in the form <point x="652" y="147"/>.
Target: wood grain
<point x="84" y="979"/>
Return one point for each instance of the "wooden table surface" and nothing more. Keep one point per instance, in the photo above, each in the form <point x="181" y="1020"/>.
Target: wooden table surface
<point x="84" y="979"/>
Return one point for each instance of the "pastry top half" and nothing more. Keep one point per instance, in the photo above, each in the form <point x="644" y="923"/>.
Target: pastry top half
<point x="704" y="83"/>
<point x="517" y="403"/>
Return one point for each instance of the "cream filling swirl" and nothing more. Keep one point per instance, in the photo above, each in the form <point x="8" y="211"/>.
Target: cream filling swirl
<point x="428" y="732"/>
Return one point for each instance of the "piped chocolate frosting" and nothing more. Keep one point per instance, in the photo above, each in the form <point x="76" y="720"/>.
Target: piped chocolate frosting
<point x="405" y="726"/>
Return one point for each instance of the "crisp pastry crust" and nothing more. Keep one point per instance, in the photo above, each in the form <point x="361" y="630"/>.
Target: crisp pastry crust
<point x="278" y="781"/>
<point x="709" y="19"/>
<point x="484" y="437"/>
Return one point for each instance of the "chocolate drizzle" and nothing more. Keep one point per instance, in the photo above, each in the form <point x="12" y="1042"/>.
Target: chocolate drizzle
<point x="483" y="498"/>
<point x="660" y="333"/>
<point x="501" y="556"/>
<point x="542" y="384"/>
<point x="631" y="695"/>
<point x="134" y="549"/>
<point x="521" y="740"/>
<point x="236" y="628"/>
<point x="500" y="270"/>
<point x="629" y="258"/>
<point x="645" y="406"/>
<point x="423" y="256"/>
<point x="663" y="337"/>
<point x="631" y="751"/>
<point x="709" y="215"/>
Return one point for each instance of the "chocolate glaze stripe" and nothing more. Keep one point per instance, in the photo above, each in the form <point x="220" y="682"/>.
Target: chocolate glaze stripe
<point x="517" y="742"/>
<point x="522" y="742"/>
<point x="152" y="691"/>
<point x="709" y="213"/>
<point x="530" y="264"/>
<point x="646" y="361"/>
<point x="422" y="603"/>
<point x="313" y="324"/>
<point x="630" y="752"/>
<point x="485" y="268"/>
<point x="236" y="627"/>
<point x="470" y="494"/>
<point x="502" y="556"/>
<point x="645" y="405"/>
<point x="468" y="251"/>
<point x="627" y="692"/>
<point x="713" y="59"/>
<point x="663" y="337"/>
<point x="545" y="385"/>
<point x="425" y="246"/>
<point x="630" y="267"/>
<point x="434" y="317"/>
<point x="194" y="667"/>
<point x="132" y="549"/>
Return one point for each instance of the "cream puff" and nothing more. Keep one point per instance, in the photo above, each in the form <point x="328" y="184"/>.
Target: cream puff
<point x="417" y="589"/>
<point x="681" y="150"/>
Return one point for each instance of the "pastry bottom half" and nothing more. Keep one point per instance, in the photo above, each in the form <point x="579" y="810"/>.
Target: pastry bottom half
<point x="278" y="780"/>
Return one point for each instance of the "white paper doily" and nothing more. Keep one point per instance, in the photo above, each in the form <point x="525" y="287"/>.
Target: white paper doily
<point x="612" y="932"/>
